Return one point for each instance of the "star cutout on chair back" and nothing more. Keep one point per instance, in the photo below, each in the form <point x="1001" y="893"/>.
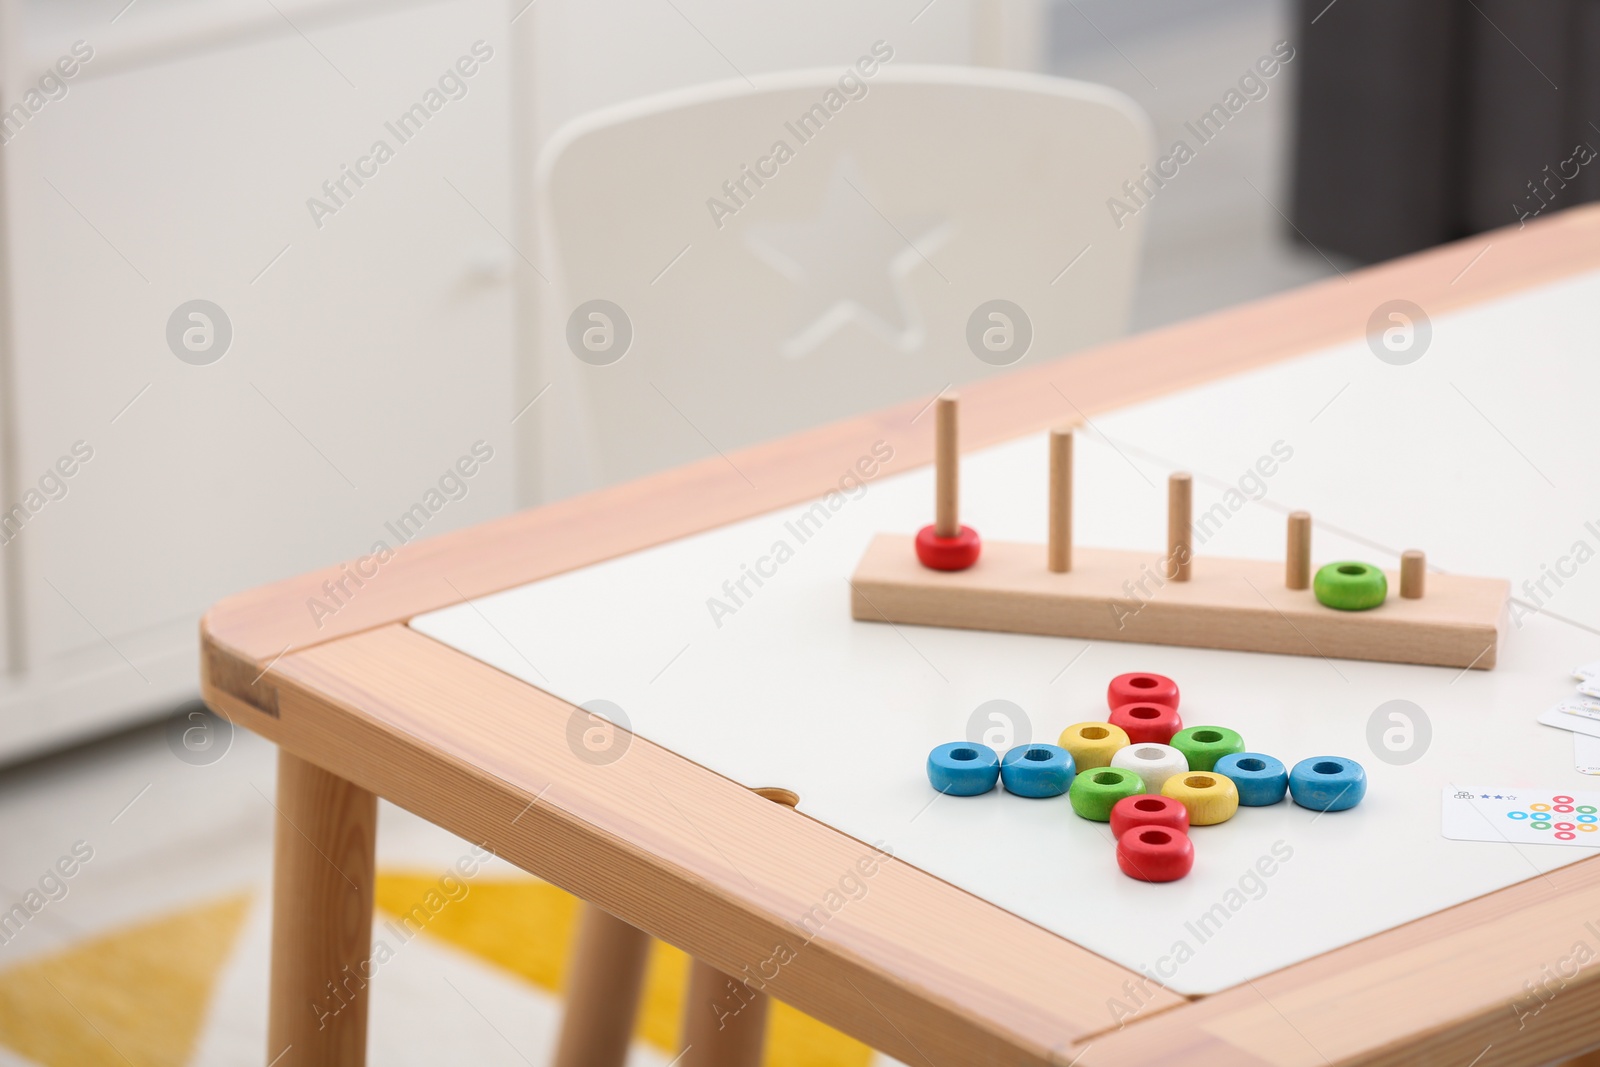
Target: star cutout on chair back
<point x="850" y="263"/>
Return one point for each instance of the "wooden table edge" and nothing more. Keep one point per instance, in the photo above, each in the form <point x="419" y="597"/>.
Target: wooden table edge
<point x="311" y="717"/>
<point x="1537" y="1009"/>
<point x="693" y="901"/>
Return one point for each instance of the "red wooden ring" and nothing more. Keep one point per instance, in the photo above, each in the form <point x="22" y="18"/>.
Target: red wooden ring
<point x="948" y="553"/>
<point x="1142" y="688"/>
<point x="1146" y="723"/>
<point x="1148" y="809"/>
<point x="1155" y="854"/>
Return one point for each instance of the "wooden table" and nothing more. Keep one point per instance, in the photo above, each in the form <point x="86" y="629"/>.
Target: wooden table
<point x="363" y="706"/>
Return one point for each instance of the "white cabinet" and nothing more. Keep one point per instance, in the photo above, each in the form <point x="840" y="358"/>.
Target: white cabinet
<point x="372" y="332"/>
<point x="370" y="339"/>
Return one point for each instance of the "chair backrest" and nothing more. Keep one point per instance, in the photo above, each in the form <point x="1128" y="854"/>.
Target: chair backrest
<point x="737" y="261"/>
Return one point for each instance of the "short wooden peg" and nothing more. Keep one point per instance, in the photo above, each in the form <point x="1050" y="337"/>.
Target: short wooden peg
<point x="1297" y="559"/>
<point x="1413" y="574"/>
<point x="1180" y="550"/>
<point x="947" y="468"/>
<point x="1060" y="552"/>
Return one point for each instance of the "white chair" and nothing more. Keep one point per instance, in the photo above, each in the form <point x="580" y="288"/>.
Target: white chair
<point x="736" y="261"/>
<point x="781" y="253"/>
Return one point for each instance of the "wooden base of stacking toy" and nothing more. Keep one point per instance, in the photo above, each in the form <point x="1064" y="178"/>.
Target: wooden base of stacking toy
<point x="939" y="579"/>
<point x="1114" y="595"/>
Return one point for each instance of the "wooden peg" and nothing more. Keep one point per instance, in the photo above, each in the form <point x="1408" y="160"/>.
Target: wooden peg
<point x="1060" y="551"/>
<point x="1180" y="551"/>
<point x="947" y="468"/>
<point x="945" y="544"/>
<point x="1297" y="558"/>
<point x="1413" y="574"/>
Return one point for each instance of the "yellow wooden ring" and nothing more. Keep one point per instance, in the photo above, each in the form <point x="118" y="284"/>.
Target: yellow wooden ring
<point x="1092" y="744"/>
<point x="1210" y="797"/>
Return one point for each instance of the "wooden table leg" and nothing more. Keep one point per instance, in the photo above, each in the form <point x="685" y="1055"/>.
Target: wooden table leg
<point x="603" y="991"/>
<point x="724" y="1021"/>
<point x="322" y="886"/>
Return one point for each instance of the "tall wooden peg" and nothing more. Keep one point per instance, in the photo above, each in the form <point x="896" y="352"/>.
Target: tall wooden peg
<point x="1060" y="551"/>
<point x="947" y="467"/>
<point x="1297" y="558"/>
<point x="1413" y="571"/>
<point x="1180" y="547"/>
<point x="945" y="544"/>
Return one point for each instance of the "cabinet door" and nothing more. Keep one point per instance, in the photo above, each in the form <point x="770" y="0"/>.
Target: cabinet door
<point x="366" y="323"/>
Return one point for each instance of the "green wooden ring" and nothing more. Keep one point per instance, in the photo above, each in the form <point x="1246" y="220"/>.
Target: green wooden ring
<point x="1350" y="586"/>
<point x="1095" y="792"/>
<point x="1202" y="746"/>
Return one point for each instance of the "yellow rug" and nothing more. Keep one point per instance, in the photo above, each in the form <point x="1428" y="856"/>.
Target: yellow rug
<point x="137" y="996"/>
<point x="527" y="927"/>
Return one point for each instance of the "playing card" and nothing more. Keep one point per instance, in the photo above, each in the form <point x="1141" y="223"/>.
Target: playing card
<point x="1586" y="753"/>
<point x="1589" y="709"/>
<point x="1520" y="816"/>
<point x="1565" y="720"/>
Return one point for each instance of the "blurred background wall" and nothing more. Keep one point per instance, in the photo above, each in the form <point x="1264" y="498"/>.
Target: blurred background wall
<point x="240" y="343"/>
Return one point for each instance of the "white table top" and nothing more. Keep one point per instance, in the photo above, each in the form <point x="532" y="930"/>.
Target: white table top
<point x="1477" y="453"/>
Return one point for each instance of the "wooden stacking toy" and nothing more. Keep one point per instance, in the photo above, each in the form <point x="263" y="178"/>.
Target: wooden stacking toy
<point x="938" y="579"/>
<point x="1154" y="764"/>
<point x="1210" y="798"/>
<point x="1327" y="783"/>
<point x="1146" y="809"/>
<point x="963" y="768"/>
<point x="947" y="545"/>
<point x="1350" y="586"/>
<point x="1260" y="779"/>
<point x="1038" y="770"/>
<point x="1092" y="744"/>
<point x="1155" y="854"/>
<point x="1146" y="723"/>
<point x="1203" y="746"/>
<point x="1094" y="793"/>
<point x="1150" y="792"/>
<point x="1142" y="688"/>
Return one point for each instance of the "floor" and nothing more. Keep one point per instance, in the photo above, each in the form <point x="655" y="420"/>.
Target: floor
<point x="154" y="950"/>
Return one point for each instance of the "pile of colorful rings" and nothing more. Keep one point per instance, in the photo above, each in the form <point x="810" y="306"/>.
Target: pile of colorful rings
<point x="1153" y="779"/>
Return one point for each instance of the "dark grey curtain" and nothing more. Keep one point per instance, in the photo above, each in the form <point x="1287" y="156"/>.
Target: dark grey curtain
<point x="1420" y="121"/>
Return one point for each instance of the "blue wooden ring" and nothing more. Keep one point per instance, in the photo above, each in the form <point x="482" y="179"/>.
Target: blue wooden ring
<point x="1038" y="770"/>
<point x="963" y="768"/>
<point x="1260" y="779"/>
<point x="1327" y="783"/>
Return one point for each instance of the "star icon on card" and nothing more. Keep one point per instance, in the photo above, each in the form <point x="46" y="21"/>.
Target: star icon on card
<point x="850" y="263"/>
